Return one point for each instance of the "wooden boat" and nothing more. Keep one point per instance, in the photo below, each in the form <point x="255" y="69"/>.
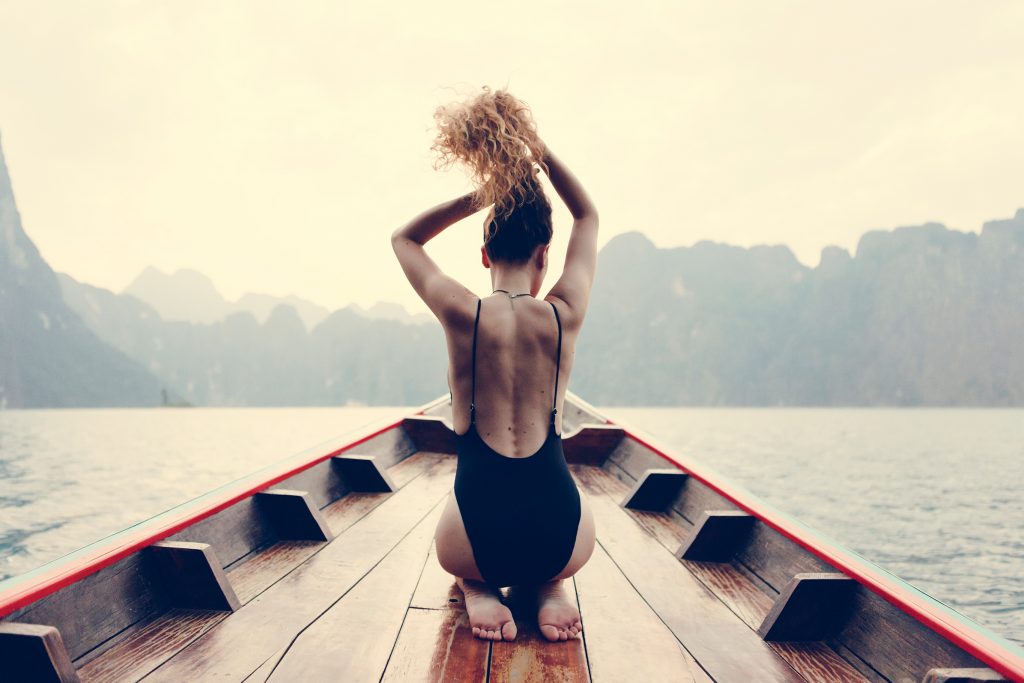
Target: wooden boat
<point x="320" y="569"/>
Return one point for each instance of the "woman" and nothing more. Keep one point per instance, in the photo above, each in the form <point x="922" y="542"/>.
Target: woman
<point x="516" y="517"/>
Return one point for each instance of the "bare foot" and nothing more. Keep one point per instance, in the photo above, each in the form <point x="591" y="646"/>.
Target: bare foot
<point x="490" y="619"/>
<point x="558" y="616"/>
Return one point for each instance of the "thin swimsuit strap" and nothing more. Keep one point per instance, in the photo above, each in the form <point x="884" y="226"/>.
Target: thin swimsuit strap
<point x="472" y="400"/>
<point x="558" y="366"/>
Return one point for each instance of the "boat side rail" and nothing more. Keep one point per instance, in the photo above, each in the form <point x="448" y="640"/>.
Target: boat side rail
<point x="994" y="650"/>
<point x="24" y="589"/>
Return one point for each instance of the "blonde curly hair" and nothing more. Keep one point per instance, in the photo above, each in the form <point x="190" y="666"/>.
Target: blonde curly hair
<point x="495" y="136"/>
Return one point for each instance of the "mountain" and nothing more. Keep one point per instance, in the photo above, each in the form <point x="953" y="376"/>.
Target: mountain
<point x="260" y="305"/>
<point x="919" y="315"/>
<point x="191" y="296"/>
<point x="48" y="356"/>
<point x="383" y="310"/>
<point x="183" y="295"/>
<point x="240" y="361"/>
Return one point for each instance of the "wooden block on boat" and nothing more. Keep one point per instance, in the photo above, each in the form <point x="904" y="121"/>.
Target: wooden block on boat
<point x="655" y="490"/>
<point x="812" y="607"/>
<point x="293" y="515"/>
<point x="716" y="536"/>
<point x="32" y="652"/>
<point x="362" y="473"/>
<point x="192" y="576"/>
<point x="591" y="444"/>
<point x="964" y="676"/>
<point x="429" y="433"/>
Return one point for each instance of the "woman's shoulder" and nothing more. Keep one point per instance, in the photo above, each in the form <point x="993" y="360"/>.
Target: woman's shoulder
<point x="569" y="318"/>
<point x="460" y="314"/>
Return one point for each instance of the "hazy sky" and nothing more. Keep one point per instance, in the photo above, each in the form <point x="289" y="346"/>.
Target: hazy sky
<point x="275" y="146"/>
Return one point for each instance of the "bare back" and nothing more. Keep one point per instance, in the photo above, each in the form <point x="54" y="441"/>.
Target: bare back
<point x="515" y="371"/>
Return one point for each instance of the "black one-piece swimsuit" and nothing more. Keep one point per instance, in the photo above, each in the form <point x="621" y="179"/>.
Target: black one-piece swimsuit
<point x="521" y="514"/>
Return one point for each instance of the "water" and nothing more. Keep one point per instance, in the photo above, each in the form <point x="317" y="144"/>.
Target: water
<point x="932" y="495"/>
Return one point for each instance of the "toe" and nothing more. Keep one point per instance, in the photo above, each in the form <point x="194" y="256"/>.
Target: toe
<point x="476" y="631"/>
<point x="508" y="630"/>
<point x="563" y="635"/>
<point x="549" y="631"/>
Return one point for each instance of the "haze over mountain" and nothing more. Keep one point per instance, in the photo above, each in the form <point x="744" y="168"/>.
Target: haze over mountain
<point x="48" y="356"/>
<point x="919" y="315"/>
<point x="189" y="295"/>
<point x="237" y="360"/>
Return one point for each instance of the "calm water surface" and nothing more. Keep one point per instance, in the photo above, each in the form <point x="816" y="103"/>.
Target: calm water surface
<point x="932" y="495"/>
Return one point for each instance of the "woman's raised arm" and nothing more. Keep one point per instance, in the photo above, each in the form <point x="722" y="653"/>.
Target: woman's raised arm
<point x="442" y="294"/>
<point x="573" y="287"/>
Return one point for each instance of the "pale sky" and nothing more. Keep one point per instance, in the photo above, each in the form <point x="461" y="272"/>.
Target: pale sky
<point x="275" y="146"/>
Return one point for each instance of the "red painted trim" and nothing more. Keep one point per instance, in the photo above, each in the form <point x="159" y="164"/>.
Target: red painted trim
<point x="103" y="555"/>
<point x="992" y="652"/>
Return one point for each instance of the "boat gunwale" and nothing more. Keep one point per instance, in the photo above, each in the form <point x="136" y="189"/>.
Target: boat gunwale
<point x="68" y="570"/>
<point x="943" y="620"/>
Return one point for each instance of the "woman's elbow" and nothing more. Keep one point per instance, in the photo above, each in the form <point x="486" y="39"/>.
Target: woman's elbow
<point x="588" y="216"/>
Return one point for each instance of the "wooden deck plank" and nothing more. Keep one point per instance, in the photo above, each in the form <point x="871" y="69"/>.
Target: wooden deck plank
<point x="257" y="573"/>
<point x="624" y="639"/>
<point x="267" y="668"/>
<point x="239" y="645"/>
<point x="734" y="589"/>
<point x="407" y="469"/>
<point x="437" y="645"/>
<point x="437" y="588"/>
<point x="349" y="509"/>
<point x="353" y="639"/>
<point x="818" y="662"/>
<point x="150" y="646"/>
<point x="700" y="621"/>
<point x="531" y="658"/>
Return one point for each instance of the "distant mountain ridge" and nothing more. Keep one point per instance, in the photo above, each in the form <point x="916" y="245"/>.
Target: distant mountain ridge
<point x="191" y="296"/>
<point x="348" y="358"/>
<point x="920" y="315"/>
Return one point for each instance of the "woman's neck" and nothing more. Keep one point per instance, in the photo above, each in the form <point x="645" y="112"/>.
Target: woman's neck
<point x="513" y="280"/>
